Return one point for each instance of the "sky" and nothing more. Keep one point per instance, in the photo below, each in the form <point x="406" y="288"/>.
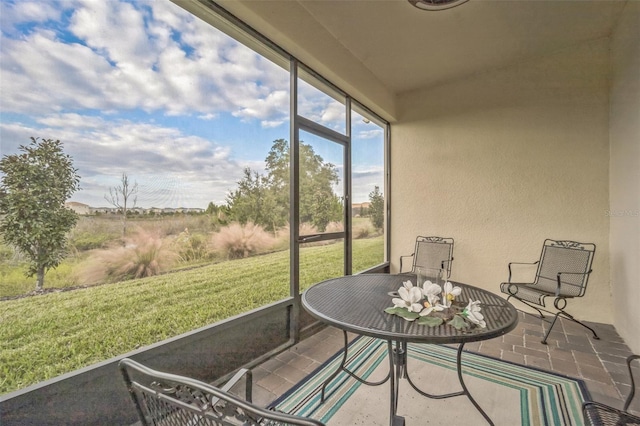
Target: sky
<point x="144" y="88"/>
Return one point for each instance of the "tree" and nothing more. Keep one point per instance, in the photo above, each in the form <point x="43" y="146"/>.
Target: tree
<point x="264" y="199"/>
<point x="120" y="197"/>
<point x="33" y="190"/>
<point x="376" y="210"/>
<point x="253" y="200"/>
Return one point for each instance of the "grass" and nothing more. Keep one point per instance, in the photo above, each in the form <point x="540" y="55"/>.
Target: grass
<point x="13" y="280"/>
<point x="44" y="336"/>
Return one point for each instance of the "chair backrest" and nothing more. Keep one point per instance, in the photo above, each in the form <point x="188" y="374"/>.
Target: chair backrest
<point x="433" y="253"/>
<point x="569" y="258"/>
<point x="168" y="399"/>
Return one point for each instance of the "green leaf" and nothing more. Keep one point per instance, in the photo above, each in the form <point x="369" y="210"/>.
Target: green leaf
<point x="402" y="312"/>
<point x="430" y="321"/>
<point x="458" y="322"/>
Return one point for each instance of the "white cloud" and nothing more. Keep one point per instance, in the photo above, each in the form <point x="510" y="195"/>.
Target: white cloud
<point x="371" y="134"/>
<point x="334" y="115"/>
<point x="364" y="180"/>
<point x="19" y="11"/>
<point x="197" y="170"/>
<point x="148" y="55"/>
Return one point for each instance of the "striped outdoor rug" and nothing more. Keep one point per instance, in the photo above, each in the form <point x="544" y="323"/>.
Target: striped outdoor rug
<point x="510" y="394"/>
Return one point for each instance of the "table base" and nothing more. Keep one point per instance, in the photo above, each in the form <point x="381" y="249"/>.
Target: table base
<point x="397" y="354"/>
<point x="343" y="367"/>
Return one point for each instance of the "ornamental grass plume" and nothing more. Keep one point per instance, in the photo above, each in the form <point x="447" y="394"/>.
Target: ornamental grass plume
<point x="237" y="241"/>
<point x="143" y="255"/>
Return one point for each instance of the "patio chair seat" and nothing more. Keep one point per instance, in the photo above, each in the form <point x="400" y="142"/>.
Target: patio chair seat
<point x="526" y="292"/>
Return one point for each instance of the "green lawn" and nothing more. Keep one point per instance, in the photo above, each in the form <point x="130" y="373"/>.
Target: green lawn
<point x="44" y="336"/>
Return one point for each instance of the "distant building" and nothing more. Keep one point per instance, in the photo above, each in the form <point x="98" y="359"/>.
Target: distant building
<point x="84" y="209"/>
<point x="79" y="208"/>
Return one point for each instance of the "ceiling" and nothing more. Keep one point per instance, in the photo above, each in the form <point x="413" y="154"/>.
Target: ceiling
<point x="380" y="49"/>
<point x="406" y="48"/>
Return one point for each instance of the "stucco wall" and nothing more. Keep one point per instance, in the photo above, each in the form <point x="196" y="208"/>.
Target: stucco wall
<point x="625" y="175"/>
<point x="503" y="160"/>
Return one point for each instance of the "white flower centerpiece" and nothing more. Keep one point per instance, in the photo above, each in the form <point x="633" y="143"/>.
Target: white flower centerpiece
<point x="424" y="304"/>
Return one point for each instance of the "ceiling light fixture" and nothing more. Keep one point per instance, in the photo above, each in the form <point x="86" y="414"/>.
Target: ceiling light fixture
<point x="436" y="4"/>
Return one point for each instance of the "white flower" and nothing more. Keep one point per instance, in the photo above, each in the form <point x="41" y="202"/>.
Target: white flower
<point x="431" y="292"/>
<point x="407" y="284"/>
<point x="449" y="293"/>
<point x="430" y="308"/>
<point x="409" y="297"/>
<point x="472" y="313"/>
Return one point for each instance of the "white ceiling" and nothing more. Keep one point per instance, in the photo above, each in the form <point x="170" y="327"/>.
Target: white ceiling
<point x="406" y="48"/>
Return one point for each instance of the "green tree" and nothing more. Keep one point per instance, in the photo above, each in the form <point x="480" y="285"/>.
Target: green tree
<point x="264" y="199"/>
<point x="217" y="213"/>
<point x="376" y="210"/>
<point x="33" y="190"/>
<point x="319" y="205"/>
<point x="212" y="209"/>
<point x="251" y="201"/>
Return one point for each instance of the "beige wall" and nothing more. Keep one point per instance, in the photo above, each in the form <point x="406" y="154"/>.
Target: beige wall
<point x="625" y="175"/>
<point x="502" y="161"/>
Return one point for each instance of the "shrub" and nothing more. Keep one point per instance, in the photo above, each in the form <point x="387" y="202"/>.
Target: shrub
<point x="307" y="228"/>
<point x="362" y="229"/>
<point x="191" y="247"/>
<point x="143" y="255"/>
<point x="237" y="241"/>
<point x="334" y="227"/>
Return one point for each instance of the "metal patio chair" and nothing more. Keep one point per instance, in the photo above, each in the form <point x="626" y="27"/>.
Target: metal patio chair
<point x="432" y="253"/>
<point x="168" y="399"/>
<point x="597" y="414"/>
<point x="562" y="273"/>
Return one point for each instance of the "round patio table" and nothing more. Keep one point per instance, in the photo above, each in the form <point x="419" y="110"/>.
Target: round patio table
<point x="356" y="303"/>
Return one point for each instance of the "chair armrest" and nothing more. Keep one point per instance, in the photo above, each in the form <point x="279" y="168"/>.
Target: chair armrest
<point x="520" y="263"/>
<point x="408" y="255"/>
<point x="248" y="385"/>
<point x="559" y="278"/>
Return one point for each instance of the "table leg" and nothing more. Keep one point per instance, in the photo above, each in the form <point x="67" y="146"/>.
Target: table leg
<point x="343" y="367"/>
<point x="397" y="362"/>
<point x="464" y="387"/>
<point x="464" y="391"/>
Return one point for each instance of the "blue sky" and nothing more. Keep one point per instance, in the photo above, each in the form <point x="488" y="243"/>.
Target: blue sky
<point x="145" y="88"/>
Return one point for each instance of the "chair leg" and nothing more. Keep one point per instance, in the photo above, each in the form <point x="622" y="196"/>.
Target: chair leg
<point x="555" y="318"/>
<point x="569" y="317"/>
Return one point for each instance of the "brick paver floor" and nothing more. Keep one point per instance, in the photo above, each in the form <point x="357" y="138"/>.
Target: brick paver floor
<point x="570" y="351"/>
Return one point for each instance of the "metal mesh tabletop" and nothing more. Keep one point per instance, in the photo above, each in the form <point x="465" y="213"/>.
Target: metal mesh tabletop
<point x="356" y="303"/>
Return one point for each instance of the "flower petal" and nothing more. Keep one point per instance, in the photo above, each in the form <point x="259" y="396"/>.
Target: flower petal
<point x="415" y="294"/>
<point x="403" y="293"/>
